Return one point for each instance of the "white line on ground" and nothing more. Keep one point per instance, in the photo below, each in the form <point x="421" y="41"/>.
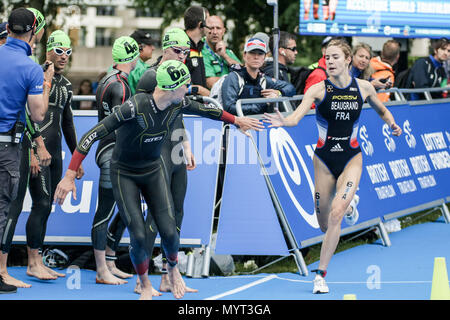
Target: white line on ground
<point x="242" y="288"/>
<point x="356" y="282"/>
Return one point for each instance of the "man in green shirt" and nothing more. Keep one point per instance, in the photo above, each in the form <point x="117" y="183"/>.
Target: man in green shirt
<point x="216" y="57"/>
<point x="146" y="47"/>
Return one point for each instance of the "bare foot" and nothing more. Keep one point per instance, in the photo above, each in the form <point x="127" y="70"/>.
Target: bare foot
<point x="138" y="289"/>
<point x="178" y="288"/>
<point x="54" y="273"/>
<point x="14" y="282"/>
<point x="107" y="277"/>
<point x="165" y="283"/>
<point x="115" y="271"/>
<point x="146" y="294"/>
<point x="40" y="272"/>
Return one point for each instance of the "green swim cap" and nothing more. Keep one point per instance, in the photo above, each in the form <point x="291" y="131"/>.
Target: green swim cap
<point x="172" y="74"/>
<point x="175" y="37"/>
<point x="40" y="21"/>
<point x="125" y="49"/>
<point x="58" y="39"/>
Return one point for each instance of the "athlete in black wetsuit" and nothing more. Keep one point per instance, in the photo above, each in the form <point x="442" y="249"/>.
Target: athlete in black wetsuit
<point x="113" y="90"/>
<point x="142" y="124"/>
<point x="337" y="160"/>
<point x="42" y="187"/>
<point x="176" y="171"/>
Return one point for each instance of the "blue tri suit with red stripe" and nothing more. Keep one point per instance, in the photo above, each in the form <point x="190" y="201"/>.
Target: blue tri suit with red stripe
<point x="337" y="118"/>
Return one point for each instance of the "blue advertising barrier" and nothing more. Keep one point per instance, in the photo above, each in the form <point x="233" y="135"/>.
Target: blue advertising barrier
<point x="248" y="222"/>
<point x="399" y="173"/>
<point x="71" y="223"/>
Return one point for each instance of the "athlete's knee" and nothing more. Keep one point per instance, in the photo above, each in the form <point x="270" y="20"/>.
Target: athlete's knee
<point x="336" y="215"/>
<point x="138" y="240"/>
<point x="43" y="205"/>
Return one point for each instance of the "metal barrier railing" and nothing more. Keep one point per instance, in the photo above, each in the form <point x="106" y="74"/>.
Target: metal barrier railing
<point x="398" y="93"/>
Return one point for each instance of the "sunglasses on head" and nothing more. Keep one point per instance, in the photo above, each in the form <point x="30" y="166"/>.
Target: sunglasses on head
<point x="179" y="50"/>
<point x="60" y="51"/>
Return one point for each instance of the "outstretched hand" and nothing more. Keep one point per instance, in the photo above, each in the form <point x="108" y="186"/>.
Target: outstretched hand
<point x="247" y="123"/>
<point x="275" y="119"/>
<point x="66" y="185"/>
<point x="396" y="130"/>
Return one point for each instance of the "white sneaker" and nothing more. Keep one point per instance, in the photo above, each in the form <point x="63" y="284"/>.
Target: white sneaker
<point x="320" y="286"/>
<point x="352" y="217"/>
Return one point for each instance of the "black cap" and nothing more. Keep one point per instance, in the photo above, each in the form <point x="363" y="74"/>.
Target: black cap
<point x="3" y="31"/>
<point x="21" y="20"/>
<point x="142" y="36"/>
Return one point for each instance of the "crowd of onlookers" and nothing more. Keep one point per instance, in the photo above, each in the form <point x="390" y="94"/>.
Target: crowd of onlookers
<point x="218" y="72"/>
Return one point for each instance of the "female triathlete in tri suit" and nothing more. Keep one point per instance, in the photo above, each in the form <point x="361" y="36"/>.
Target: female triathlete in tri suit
<point x="337" y="159"/>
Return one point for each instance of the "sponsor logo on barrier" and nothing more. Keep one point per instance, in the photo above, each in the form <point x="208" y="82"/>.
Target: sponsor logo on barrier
<point x="388" y="141"/>
<point x="366" y="145"/>
<point x="286" y="157"/>
<point x="409" y="137"/>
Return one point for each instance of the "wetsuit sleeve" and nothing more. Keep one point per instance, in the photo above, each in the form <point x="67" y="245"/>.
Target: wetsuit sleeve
<point x="121" y="114"/>
<point x="67" y="124"/>
<point x="194" y="107"/>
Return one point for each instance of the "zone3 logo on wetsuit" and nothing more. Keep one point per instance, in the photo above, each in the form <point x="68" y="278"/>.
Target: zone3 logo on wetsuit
<point x="338" y="120"/>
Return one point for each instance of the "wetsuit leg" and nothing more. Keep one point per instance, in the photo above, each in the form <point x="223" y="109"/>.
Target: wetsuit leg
<point x="106" y="203"/>
<point x="160" y="204"/>
<point x="115" y="232"/>
<point x="41" y="207"/>
<point x="17" y="204"/>
<point x="55" y="177"/>
<point x="177" y="180"/>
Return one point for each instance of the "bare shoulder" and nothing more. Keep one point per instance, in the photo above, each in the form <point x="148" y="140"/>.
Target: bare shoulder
<point x="365" y="86"/>
<point x="316" y="91"/>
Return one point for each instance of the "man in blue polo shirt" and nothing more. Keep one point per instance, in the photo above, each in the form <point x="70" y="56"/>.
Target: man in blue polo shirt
<point x="21" y="81"/>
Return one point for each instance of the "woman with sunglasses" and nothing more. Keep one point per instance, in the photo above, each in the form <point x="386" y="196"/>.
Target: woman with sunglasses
<point x="43" y="183"/>
<point x="337" y="165"/>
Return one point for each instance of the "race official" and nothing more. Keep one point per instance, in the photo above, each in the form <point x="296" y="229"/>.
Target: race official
<point x="21" y="81"/>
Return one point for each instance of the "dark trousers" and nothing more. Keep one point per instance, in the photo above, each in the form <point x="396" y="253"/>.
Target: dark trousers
<point x="9" y="179"/>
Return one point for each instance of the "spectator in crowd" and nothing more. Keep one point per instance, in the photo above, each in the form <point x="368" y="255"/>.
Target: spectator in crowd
<point x="429" y="72"/>
<point x="3" y="33"/>
<point x="249" y="82"/>
<point x="85" y="89"/>
<point x="287" y="52"/>
<point x="218" y="59"/>
<point x="146" y="47"/>
<point x="361" y="68"/>
<point x="383" y="66"/>
<point x="195" y="27"/>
